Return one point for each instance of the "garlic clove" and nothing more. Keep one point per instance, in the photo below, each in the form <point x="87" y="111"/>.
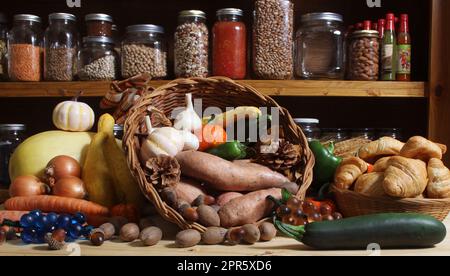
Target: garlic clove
<point x="188" y="119"/>
<point x="191" y="141"/>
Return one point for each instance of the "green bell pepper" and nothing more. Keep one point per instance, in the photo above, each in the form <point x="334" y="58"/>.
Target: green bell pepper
<point x="230" y="151"/>
<point x="326" y="163"/>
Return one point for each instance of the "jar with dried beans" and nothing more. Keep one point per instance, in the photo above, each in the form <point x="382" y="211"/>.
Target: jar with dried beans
<point x="144" y="51"/>
<point x="273" y="42"/>
<point x="25" y="48"/>
<point x="61" y="46"/>
<point x="191" y="45"/>
<point x="97" y="59"/>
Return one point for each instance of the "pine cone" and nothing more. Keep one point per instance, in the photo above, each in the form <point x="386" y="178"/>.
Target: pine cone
<point x="163" y="171"/>
<point x="280" y="156"/>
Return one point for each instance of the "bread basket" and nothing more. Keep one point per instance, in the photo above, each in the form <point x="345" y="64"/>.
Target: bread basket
<point x="353" y="204"/>
<point x="218" y="92"/>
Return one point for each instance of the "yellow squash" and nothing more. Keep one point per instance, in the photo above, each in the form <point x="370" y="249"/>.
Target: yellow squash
<point x="126" y="187"/>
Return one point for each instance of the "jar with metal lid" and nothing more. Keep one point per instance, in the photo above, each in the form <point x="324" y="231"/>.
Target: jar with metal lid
<point x="364" y="55"/>
<point x="99" y="24"/>
<point x="320" y="47"/>
<point x="3" y="47"/>
<point x="366" y="133"/>
<point x="191" y="45"/>
<point x="25" y="48"/>
<point x="118" y="131"/>
<point x="97" y="59"/>
<point x="144" y="51"/>
<point x="310" y="127"/>
<point x="230" y="44"/>
<point x="335" y="135"/>
<point x="116" y="38"/>
<point x="273" y="43"/>
<point x="61" y="47"/>
<point x="11" y="135"/>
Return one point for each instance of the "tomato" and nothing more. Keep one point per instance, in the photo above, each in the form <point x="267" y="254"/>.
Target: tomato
<point x="212" y="136"/>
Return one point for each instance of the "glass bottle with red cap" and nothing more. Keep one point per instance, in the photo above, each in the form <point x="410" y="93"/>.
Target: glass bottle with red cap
<point x="367" y="25"/>
<point x="389" y="50"/>
<point x="404" y="50"/>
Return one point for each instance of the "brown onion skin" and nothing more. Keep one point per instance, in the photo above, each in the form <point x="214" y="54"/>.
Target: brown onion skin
<point x="60" y="167"/>
<point x="27" y="185"/>
<point x="71" y="186"/>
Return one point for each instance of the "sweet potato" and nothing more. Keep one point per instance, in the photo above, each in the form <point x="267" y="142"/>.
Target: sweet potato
<point x="227" y="197"/>
<point x="249" y="208"/>
<point x="223" y="175"/>
<point x="188" y="190"/>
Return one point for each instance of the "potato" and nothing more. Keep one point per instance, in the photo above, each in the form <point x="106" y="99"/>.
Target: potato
<point x="187" y="238"/>
<point x="150" y="236"/>
<point x="207" y="216"/>
<point x="227" y="197"/>
<point x="214" y="235"/>
<point x="268" y="231"/>
<point x="224" y="175"/>
<point x="251" y="233"/>
<point x="248" y="209"/>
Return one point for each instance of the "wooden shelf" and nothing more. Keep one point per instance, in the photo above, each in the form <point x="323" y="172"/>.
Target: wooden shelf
<point x="272" y="88"/>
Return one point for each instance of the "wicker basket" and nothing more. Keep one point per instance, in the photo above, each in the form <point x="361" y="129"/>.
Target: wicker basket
<point x="219" y="92"/>
<point x="353" y="204"/>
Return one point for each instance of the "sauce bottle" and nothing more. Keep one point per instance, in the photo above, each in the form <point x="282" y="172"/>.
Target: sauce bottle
<point x="389" y="50"/>
<point x="404" y="50"/>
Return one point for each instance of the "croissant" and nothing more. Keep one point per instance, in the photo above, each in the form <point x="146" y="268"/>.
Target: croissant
<point x="405" y="177"/>
<point x="348" y="171"/>
<point x="371" y="184"/>
<point x="381" y="165"/>
<point x="385" y="146"/>
<point x="439" y="179"/>
<point x="418" y="147"/>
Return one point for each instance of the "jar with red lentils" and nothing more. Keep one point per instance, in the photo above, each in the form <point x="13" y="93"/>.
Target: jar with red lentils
<point x="25" y="48"/>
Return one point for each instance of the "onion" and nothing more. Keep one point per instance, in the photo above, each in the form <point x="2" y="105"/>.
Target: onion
<point x="71" y="186"/>
<point x="60" y="167"/>
<point x="27" y="186"/>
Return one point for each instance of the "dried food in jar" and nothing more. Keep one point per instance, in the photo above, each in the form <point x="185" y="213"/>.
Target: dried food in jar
<point x="364" y="55"/>
<point x="100" y="69"/>
<point x="230" y="44"/>
<point x="273" y="39"/>
<point x="3" y="52"/>
<point x="25" y="62"/>
<point x="143" y="59"/>
<point x="191" y="45"/>
<point x="60" y="64"/>
<point x="99" y="24"/>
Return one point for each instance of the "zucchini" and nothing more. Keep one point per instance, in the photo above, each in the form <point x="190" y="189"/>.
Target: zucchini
<point x="390" y="231"/>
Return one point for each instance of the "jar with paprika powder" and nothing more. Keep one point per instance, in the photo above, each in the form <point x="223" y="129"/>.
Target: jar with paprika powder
<point x="230" y="44"/>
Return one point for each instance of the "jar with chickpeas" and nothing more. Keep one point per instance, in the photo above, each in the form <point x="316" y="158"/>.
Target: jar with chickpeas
<point x="144" y="51"/>
<point x="364" y="55"/>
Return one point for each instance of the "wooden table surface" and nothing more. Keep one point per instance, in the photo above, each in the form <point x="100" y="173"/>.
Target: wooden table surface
<point x="278" y="247"/>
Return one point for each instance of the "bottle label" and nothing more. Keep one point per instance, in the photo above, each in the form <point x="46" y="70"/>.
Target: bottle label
<point x="388" y="57"/>
<point x="404" y="59"/>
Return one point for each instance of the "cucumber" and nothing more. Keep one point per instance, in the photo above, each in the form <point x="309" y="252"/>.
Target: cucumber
<point x="390" y="231"/>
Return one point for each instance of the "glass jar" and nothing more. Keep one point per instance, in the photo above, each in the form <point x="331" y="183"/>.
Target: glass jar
<point x="273" y="43"/>
<point x="99" y="24"/>
<point x="97" y="59"/>
<point x="364" y="55"/>
<point x="144" y="51"/>
<point x="118" y="131"/>
<point x="320" y="47"/>
<point x="366" y="133"/>
<point x="61" y="47"/>
<point x="3" y="47"/>
<point x="310" y="127"/>
<point x="191" y="45"/>
<point x="395" y="133"/>
<point x="335" y="135"/>
<point x="11" y="135"/>
<point x="116" y="38"/>
<point x="25" y="48"/>
<point x="230" y="44"/>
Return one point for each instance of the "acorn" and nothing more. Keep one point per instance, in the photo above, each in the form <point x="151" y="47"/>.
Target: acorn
<point x="97" y="237"/>
<point x="56" y="239"/>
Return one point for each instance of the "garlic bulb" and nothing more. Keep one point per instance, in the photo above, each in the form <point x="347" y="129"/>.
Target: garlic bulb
<point x="187" y="119"/>
<point x="191" y="141"/>
<point x="161" y="141"/>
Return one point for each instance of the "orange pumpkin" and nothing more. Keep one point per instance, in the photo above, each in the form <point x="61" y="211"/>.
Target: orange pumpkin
<point x="128" y="211"/>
